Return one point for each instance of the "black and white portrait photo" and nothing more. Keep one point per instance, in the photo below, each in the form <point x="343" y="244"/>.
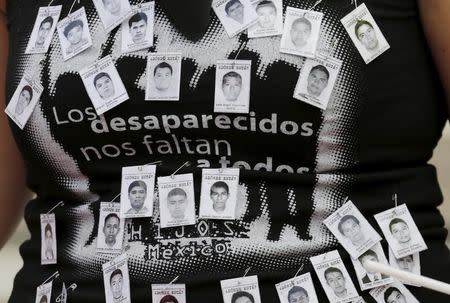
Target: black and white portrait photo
<point x="48" y="239"/>
<point x="270" y="19"/>
<point x="104" y="85"/>
<point x="168" y="293"/>
<point x="43" y="30"/>
<point x="301" y="32"/>
<point x="44" y="293"/>
<point x="235" y="15"/>
<point x="409" y="263"/>
<point x="116" y="280"/>
<point x="136" y="196"/>
<point x="74" y="35"/>
<point x="137" y="31"/>
<point x="241" y="290"/>
<point x="163" y="77"/>
<point x="365" y="33"/>
<point x="24" y="100"/>
<point x="299" y="289"/>
<point x="110" y="228"/>
<point x="316" y="81"/>
<point x="112" y="12"/>
<point x="395" y="292"/>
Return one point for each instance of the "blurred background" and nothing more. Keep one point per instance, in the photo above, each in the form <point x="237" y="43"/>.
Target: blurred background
<point x="10" y="261"/>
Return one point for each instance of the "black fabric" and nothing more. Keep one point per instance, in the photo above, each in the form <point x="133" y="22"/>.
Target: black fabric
<point x="297" y="162"/>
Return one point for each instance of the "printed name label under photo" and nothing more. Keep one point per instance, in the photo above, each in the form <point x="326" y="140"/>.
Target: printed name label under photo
<point x="168" y="293"/>
<point x="393" y="293"/>
<point x="104" y="85"/>
<point x="74" y="35"/>
<point x="110" y="228"/>
<point x="218" y="197"/>
<point x="137" y="191"/>
<point x="400" y="231"/>
<point x="44" y="292"/>
<point x="270" y="19"/>
<point x="48" y="239"/>
<point x="365" y="33"/>
<point x="112" y="12"/>
<point x="137" y="31"/>
<point x="301" y="32"/>
<point x="176" y="200"/>
<point x="409" y="263"/>
<point x="116" y="280"/>
<point x="232" y="91"/>
<point x="163" y="76"/>
<point x="334" y="277"/>
<point x="24" y="100"/>
<point x="235" y="15"/>
<point x="316" y="81"/>
<point x="43" y="30"/>
<point x="298" y="289"/>
<point x="245" y="289"/>
<point x="352" y="229"/>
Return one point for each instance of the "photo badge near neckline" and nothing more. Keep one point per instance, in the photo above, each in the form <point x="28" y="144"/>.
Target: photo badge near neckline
<point x="48" y="239"/>
<point x="44" y="292"/>
<point x="394" y="292"/>
<point x="334" y="277"/>
<point x="110" y="228"/>
<point x="270" y="19"/>
<point x="112" y="12"/>
<point x="43" y="29"/>
<point x="218" y="198"/>
<point x="297" y="289"/>
<point x="409" y="263"/>
<point x="176" y="200"/>
<point x="163" y="76"/>
<point x="365" y="33"/>
<point x="116" y="280"/>
<point x="352" y="229"/>
<point x="168" y="293"/>
<point x="136" y="195"/>
<point x="137" y="31"/>
<point x="243" y="289"/>
<point x="316" y="80"/>
<point x="24" y="100"/>
<point x="74" y="34"/>
<point x="232" y="89"/>
<point x="301" y="32"/>
<point x="235" y="15"/>
<point x="103" y="84"/>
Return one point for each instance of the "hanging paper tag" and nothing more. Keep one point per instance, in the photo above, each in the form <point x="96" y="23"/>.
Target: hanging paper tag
<point x="110" y="228"/>
<point x="316" y="81"/>
<point x="334" y="277"/>
<point x="270" y="19"/>
<point x="241" y="290"/>
<point x="235" y="15"/>
<point x="400" y="231"/>
<point x="219" y="193"/>
<point x="136" y="196"/>
<point x="232" y="92"/>
<point x="409" y="263"/>
<point x="176" y="200"/>
<point x="366" y="279"/>
<point x="365" y="33"/>
<point x="163" y="76"/>
<point x="352" y="229"/>
<point x="43" y="30"/>
<point x="112" y="12"/>
<point x="137" y="31"/>
<point x="48" y="239"/>
<point x="168" y="293"/>
<point x="393" y="293"/>
<point x="104" y="85"/>
<point x="116" y="280"/>
<point x="299" y="289"/>
<point x="301" y="32"/>
<point x="24" y="100"/>
<point x="44" y="292"/>
<point x="74" y="35"/>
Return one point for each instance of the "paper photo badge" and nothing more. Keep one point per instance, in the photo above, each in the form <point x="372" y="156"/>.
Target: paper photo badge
<point x="24" y="100"/>
<point x="409" y="263"/>
<point x="137" y="191"/>
<point x="163" y="76"/>
<point x="395" y="292"/>
<point x="48" y="239"/>
<point x="297" y="289"/>
<point x="110" y="228"/>
<point x="301" y="32"/>
<point x="112" y="12"/>
<point x="241" y="290"/>
<point x="169" y="293"/>
<point x="116" y="280"/>
<point x="43" y="29"/>
<point x="365" y="33"/>
<point x="235" y="15"/>
<point x="270" y="18"/>
<point x="44" y="293"/>
<point x="137" y="30"/>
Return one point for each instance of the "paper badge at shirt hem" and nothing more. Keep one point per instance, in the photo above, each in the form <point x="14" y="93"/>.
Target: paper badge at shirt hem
<point x="44" y="290"/>
<point x="137" y="30"/>
<point x="43" y="29"/>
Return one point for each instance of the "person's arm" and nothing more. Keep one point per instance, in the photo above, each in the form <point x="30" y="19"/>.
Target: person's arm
<point x="12" y="172"/>
<point x="435" y="15"/>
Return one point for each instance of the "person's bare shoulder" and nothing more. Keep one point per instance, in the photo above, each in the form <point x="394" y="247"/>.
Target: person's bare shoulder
<point x="3" y="6"/>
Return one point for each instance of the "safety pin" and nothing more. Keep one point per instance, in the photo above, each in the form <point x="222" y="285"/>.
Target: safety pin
<point x="114" y="198"/>
<point x="47" y="11"/>
<point x="52" y="277"/>
<point x="60" y="203"/>
<point x="152" y="163"/>
<point x="241" y="47"/>
<point x="299" y="270"/>
<point x="187" y="164"/>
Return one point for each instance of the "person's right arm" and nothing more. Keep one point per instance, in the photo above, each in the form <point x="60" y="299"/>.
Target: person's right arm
<point x="12" y="172"/>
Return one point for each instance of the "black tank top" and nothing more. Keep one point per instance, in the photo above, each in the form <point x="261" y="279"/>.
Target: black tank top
<point x="297" y="162"/>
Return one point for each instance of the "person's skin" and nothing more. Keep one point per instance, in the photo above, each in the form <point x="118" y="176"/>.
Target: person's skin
<point x="298" y="297"/>
<point x="111" y="230"/>
<point x="368" y="37"/>
<point x="163" y="78"/>
<point x="317" y="81"/>
<point x="219" y="196"/>
<point x="267" y="16"/>
<point x="400" y="231"/>
<point x="137" y="197"/>
<point x="105" y="87"/>
<point x="396" y="297"/>
<point x="300" y="33"/>
<point x="43" y="32"/>
<point x="352" y="231"/>
<point x="231" y="88"/>
<point x="138" y="30"/>
<point x="116" y="286"/>
<point x="112" y="6"/>
<point x="75" y="35"/>
<point x="177" y="206"/>
<point x="236" y="12"/>
<point x="22" y="102"/>
<point x="337" y="283"/>
<point x="406" y="263"/>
